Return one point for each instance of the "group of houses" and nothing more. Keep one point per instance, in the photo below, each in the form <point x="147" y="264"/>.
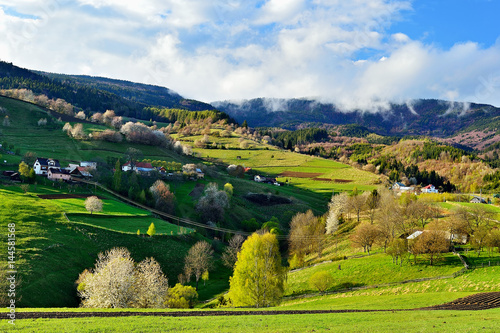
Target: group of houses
<point x="145" y="168"/>
<point x="52" y="169"/>
<point x="402" y="188"/>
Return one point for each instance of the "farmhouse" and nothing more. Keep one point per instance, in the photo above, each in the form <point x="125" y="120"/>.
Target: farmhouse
<point x="42" y="165"/>
<point x="400" y="187"/>
<point x="58" y="174"/>
<point x="260" y="179"/>
<point x="89" y="165"/>
<point x="478" y="200"/>
<point x="429" y="189"/>
<point x="138" y="167"/>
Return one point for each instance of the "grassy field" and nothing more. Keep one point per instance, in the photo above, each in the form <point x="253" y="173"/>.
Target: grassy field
<point x="129" y="224"/>
<point x="51" y="252"/>
<point x="412" y="321"/>
<point x="371" y="270"/>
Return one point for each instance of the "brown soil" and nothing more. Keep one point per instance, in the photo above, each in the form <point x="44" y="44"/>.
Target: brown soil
<point x="480" y="301"/>
<point x="66" y="196"/>
<point x="297" y="174"/>
<point x="342" y="181"/>
<point x="323" y="179"/>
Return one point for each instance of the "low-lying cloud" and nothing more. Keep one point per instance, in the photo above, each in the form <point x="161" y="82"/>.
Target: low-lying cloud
<point x="234" y="49"/>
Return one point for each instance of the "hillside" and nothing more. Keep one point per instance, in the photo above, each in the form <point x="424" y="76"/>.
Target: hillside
<point x="420" y="117"/>
<point x="95" y="94"/>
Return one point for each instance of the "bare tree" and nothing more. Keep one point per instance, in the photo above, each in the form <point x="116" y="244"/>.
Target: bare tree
<point x="164" y="198"/>
<point x="306" y="234"/>
<point x="431" y="244"/>
<point x="212" y="204"/>
<point x="230" y="255"/>
<point x="93" y="204"/>
<point x="357" y="204"/>
<point x="366" y="234"/>
<point x="198" y="260"/>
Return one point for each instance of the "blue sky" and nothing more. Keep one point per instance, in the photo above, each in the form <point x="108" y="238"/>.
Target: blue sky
<point x="358" y="53"/>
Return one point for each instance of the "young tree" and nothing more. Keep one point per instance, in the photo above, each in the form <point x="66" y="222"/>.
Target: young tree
<point x="24" y="170"/>
<point x="204" y="277"/>
<point x="117" y="177"/>
<point x="25" y="188"/>
<point x="181" y="297"/>
<point x="258" y="278"/>
<point x="321" y="281"/>
<point x="372" y="202"/>
<point x="93" y="204"/>
<point x="228" y="188"/>
<point x="230" y="254"/>
<point x="198" y="260"/>
<point x="151" y="230"/>
<point x="398" y="249"/>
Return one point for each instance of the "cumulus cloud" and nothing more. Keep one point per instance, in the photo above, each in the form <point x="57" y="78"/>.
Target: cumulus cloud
<point x="337" y="51"/>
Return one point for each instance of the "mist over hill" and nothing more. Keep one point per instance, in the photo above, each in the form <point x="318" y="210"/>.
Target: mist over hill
<point x="418" y="117"/>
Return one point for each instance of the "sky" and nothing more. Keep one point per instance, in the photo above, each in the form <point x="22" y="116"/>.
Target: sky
<point x="357" y="53"/>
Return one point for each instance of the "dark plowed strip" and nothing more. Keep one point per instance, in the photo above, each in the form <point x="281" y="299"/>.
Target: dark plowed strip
<point x="480" y="301"/>
<point x="35" y="315"/>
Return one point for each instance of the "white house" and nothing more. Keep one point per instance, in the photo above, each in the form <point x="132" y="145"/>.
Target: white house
<point x="402" y="187"/>
<point x="42" y="165"/>
<point x="429" y="189"/>
<point x="89" y="165"/>
<point x="259" y="179"/>
<point x="138" y="167"/>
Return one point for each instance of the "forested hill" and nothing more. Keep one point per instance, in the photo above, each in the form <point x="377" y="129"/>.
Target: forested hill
<point x="96" y="94"/>
<point x="422" y="117"/>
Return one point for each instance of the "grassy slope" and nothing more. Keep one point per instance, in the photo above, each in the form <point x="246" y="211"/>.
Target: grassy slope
<point x="418" y="321"/>
<point x="52" y="252"/>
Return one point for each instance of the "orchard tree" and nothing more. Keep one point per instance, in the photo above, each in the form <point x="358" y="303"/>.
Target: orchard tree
<point x="150" y="285"/>
<point x="306" y="234"/>
<point x="93" y="204"/>
<point x="336" y="207"/>
<point x="431" y="244"/>
<point x="111" y="283"/>
<point x="198" y="260"/>
<point x="258" y="278"/>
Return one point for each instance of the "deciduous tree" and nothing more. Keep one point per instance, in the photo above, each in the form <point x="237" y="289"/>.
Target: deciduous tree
<point x="321" y="281"/>
<point x="230" y="254"/>
<point x="258" y="278"/>
<point x="93" y="204"/>
<point x="198" y="260"/>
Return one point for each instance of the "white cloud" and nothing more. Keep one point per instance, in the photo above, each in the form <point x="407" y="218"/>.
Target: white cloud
<point x="233" y="49"/>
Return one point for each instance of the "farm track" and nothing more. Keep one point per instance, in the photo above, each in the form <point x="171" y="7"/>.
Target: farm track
<point x="475" y="302"/>
<point x="66" y="196"/>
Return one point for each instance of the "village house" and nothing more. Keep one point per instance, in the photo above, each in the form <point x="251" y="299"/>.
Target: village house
<point x="429" y="189"/>
<point x="89" y="165"/>
<point x="58" y="174"/>
<point x="478" y="200"/>
<point x="260" y="179"/>
<point x="400" y="187"/>
<point x="142" y="167"/>
<point x="42" y="165"/>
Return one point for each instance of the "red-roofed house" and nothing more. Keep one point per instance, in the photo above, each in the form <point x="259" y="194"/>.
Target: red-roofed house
<point x="138" y="167"/>
<point x="429" y="189"/>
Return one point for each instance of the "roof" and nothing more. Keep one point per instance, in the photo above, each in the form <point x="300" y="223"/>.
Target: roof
<point x="400" y="184"/>
<point x="59" y="171"/>
<point x="429" y="186"/>
<point x="45" y="161"/>
<point x="415" y="235"/>
<point x="140" y="165"/>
